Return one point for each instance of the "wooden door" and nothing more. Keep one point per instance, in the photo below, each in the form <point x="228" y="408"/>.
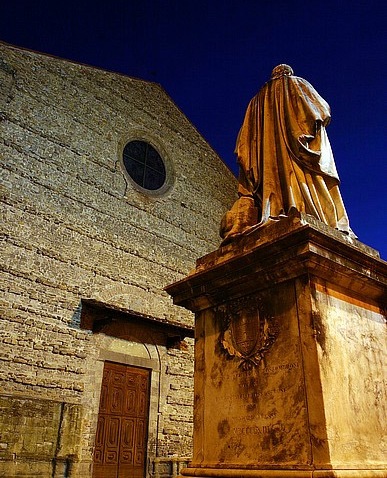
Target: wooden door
<point x="120" y="443"/>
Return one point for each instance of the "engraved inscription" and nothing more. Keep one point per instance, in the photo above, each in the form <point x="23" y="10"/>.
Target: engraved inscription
<point x="273" y="369"/>
<point x="255" y="416"/>
<point x="277" y="368"/>
<point x="260" y="395"/>
<point x="259" y="430"/>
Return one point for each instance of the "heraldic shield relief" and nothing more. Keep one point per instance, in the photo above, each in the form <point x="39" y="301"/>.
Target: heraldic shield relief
<point x="247" y="331"/>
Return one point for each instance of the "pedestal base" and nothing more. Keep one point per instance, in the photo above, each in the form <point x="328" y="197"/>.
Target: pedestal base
<point x="230" y="473"/>
<point x="290" y="371"/>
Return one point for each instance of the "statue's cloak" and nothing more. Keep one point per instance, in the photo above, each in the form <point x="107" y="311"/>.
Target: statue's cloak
<point x="284" y="153"/>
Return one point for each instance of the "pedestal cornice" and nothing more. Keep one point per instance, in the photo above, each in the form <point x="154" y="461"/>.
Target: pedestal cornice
<point x="279" y="252"/>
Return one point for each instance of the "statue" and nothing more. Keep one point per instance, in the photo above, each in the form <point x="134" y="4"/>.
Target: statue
<point x="285" y="159"/>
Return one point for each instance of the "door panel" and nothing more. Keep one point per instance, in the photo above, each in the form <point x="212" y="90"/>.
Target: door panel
<point x="120" y="443"/>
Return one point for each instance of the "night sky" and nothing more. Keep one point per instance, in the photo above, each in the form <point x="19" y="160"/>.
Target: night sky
<point x="213" y="56"/>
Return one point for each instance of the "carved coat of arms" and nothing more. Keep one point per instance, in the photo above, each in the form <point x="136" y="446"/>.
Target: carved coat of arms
<point x="247" y="331"/>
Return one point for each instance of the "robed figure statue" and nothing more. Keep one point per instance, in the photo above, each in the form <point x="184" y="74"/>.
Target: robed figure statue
<point x="285" y="158"/>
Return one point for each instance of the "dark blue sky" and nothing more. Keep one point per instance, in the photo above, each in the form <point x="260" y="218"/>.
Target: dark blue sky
<point x="213" y="56"/>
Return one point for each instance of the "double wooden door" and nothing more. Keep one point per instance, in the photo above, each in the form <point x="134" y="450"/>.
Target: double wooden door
<point x="120" y="444"/>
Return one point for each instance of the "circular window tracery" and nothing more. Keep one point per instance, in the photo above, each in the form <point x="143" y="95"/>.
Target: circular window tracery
<point x="144" y="165"/>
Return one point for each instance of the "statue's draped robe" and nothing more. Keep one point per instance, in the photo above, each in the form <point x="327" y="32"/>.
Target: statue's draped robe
<point x="284" y="154"/>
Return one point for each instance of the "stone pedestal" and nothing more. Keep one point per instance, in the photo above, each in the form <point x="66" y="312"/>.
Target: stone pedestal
<point x="290" y="371"/>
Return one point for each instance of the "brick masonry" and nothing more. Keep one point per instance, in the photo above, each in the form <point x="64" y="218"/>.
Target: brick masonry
<point x="75" y="227"/>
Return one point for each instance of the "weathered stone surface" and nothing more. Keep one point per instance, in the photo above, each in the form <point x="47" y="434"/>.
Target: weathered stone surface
<point x="38" y="437"/>
<point x="351" y="346"/>
<point x="258" y="413"/>
<point x="75" y="227"/>
<point x="290" y="377"/>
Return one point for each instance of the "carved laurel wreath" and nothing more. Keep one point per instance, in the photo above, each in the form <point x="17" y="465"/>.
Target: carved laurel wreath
<point x="265" y="334"/>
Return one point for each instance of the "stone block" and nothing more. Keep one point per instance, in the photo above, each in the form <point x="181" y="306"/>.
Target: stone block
<point x="38" y="437"/>
<point x="290" y="374"/>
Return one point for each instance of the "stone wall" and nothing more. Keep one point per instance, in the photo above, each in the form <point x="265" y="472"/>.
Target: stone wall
<point x="75" y="227"/>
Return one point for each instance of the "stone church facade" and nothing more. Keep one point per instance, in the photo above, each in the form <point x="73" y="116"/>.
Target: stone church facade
<point x="96" y="362"/>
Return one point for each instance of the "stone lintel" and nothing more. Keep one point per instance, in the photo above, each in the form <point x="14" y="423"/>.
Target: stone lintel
<point x="118" y="322"/>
